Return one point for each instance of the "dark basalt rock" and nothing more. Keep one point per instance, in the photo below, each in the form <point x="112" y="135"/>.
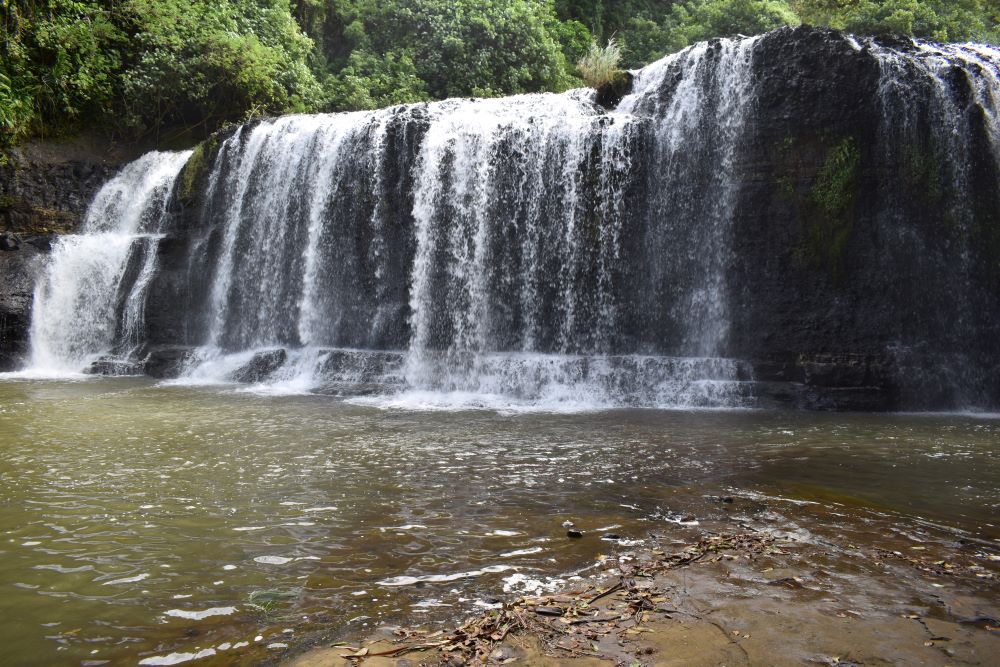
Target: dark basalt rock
<point x="115" y="367"/>
<point x="876" y="322"/>
<point x="164" y="362"/>
<point x="260" y="367"/>
<point x="17" y="285"/>
<point x="611" y="93"/>
<point x="46" y="188"/>
<point x="9" y="242"/>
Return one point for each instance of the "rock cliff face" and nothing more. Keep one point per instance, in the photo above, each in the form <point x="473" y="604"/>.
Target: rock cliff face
<point x="866" y="244"/>
<point x="801" y="219"/>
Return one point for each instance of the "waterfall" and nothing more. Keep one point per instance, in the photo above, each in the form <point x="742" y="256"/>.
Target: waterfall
<point x="700" y="100"/>
<point x="542" y="251"/>
<point x="84" y="309"/>
<point x="517" y="222"/>
<point x="500" y="274"/>
<point x="930" y="99"/>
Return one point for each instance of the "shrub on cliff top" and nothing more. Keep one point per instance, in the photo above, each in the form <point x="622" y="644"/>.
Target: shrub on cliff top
<point x="599" y="67"/>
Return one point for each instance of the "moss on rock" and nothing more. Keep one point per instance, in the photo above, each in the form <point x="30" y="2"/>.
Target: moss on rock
<point x="196" y="169"/>
<point x="821" y="179"/>
<point x="832" y="199"/>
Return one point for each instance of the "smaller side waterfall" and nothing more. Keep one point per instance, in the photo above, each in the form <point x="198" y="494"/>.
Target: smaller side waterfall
<point x="936" y="103"/>
<point x="89" y="302"/>
<point x="701" y="101"/>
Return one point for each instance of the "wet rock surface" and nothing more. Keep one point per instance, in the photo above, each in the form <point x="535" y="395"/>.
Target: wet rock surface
<point x="17" y="277"/>
<point x="260" y="367"/>
<point x="839" y="323"/>
<point x="165" y="362"/>
<point x="46" y="188"/>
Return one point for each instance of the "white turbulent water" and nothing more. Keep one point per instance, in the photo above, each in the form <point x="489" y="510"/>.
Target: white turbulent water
<point x="699" y="129"/>
<point x="513" y="288"/>
<point x="918" y="91"/>
<point x="286" y="175"/>
<point x="75" y="310"/>
<point x="459" y="213"/>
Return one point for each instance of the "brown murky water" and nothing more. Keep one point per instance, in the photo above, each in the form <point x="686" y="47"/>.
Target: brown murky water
<point x="156" y="524"/>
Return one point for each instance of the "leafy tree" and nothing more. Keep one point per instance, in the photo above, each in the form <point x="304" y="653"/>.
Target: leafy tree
<point x="58" y="61"/>
<point x="643" y="41"/>
<point x="369" y="81"/>
<point x="134" y="66"/>
<point x="137" y="66"/>
<point x="455" y="47"/>
<point x="205" y="62"/>
<point x="695" y="20"/>
<point x="940" y="20"/>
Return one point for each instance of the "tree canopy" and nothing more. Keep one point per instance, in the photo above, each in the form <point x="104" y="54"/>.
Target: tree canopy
<point x="137" y="67"/>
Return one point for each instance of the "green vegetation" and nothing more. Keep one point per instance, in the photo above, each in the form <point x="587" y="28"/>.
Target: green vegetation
<point x="599" y="67"/>
<point x="136" y="68"/>
<point x="922" y="173"/>
<point x="833" y="194"/>
<point x="377" y="52"/>
<point x="820" y="178"/>
<point x="828" y="210"/>
<point x="196" y="168"/>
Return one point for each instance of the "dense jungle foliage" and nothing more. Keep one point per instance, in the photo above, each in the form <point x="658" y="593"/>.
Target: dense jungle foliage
<point x="138" y="68"/>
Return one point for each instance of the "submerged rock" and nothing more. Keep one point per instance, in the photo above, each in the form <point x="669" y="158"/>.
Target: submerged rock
<point x="260" y="367"/>
<point x="112" y="366"/>
<point x="9" y="242"/>
<point x="166" y="362"/>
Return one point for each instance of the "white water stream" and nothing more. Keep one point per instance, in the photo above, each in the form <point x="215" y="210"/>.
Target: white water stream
<point x="80" y="299"/>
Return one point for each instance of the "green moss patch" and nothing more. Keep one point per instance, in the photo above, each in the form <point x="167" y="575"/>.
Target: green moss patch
<point x="824" y="197"/>
<point x="196" y="169"/>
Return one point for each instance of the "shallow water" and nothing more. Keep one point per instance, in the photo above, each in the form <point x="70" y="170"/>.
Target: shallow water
<point x="150" y="522"/>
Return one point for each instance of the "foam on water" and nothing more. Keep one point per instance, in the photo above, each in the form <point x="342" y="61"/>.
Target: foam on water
<point x="200" y="615"/>
<point x="443" y="578"/>
<point x="178" y="657"/>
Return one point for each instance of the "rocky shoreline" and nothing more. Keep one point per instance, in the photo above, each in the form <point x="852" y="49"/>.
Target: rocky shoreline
<point x="863" y="590"/>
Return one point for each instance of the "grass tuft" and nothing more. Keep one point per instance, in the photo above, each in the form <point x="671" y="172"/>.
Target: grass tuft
<point x="600" y="66"/>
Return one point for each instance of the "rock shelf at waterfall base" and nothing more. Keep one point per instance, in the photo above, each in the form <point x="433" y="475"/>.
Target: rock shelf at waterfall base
<point x="755" y="588"/>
